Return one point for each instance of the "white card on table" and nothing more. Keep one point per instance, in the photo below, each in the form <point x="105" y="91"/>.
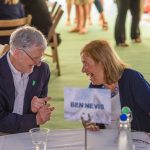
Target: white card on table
<point x="87" y="101"/>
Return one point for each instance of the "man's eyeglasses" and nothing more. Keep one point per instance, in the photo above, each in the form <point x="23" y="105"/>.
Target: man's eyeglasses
<point x="35" y="60"/>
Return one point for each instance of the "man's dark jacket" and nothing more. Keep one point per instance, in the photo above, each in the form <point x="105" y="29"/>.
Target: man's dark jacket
<point x="37" y="86"/>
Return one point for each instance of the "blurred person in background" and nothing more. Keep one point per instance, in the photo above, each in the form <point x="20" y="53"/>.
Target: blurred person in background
<point x="82" y="11"/>
<point x="102" y="20"/>
<point x="40" y="14"/>
<point x="41" y="17"/>
<point x="10" y="9"/>
<point x="120" y="32"/>
<point x="147" y="6"/>
<point x="69" y="4"/>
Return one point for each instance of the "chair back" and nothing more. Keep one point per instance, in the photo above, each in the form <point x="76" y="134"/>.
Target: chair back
<point x="56" y="11"/>
<point x="8" y="26"/>
<point x="55" y="20"/>
<point x="3" y="49"/>
<point x="53" y="7"/>
<point x="53" y="40"/>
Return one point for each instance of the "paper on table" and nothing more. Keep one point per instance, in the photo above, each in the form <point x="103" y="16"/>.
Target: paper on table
<point x="2" y="140"/>
<point x="103" y="139"/>
<point x="141" y="140"/>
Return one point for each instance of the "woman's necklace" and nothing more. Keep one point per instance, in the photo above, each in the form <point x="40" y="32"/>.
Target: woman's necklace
<point x="115" y="90"/>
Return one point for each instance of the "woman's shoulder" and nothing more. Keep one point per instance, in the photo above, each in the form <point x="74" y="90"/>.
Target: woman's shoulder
<point x="131" y="74"/>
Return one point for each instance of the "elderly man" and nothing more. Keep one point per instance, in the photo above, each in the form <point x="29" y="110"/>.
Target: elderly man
<point x="24" y="82"/>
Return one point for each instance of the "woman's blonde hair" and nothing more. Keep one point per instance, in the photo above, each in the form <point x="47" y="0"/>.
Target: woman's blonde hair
<point x="11" y="2"/>
<point x="101" y="52"/>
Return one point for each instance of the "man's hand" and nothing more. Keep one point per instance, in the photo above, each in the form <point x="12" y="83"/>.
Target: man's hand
<point x="44" y="114"/>
<point x="37" y="103"/>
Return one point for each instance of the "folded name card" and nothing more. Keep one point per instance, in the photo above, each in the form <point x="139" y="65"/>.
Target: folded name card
<point x="84" y="102"/>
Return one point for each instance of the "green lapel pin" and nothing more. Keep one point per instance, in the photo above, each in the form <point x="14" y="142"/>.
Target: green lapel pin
<point x="33" y="83"/>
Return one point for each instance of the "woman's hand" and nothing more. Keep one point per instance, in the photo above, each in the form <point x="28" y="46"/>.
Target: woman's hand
<point x="92" y="126"/>
<point x="87" y="124"/>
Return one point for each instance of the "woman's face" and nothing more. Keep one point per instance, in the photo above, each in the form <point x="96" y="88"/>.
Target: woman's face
<point x="93" y="70"/>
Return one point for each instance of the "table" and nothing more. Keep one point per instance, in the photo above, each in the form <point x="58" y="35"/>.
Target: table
<point x="72" y="139"/>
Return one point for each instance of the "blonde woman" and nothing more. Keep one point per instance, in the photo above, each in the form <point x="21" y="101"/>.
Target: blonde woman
<point x="128" y="87"/>
<point x="10" y="9"/>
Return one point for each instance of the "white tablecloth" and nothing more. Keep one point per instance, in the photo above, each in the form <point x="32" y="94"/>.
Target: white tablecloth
<point x="69" y="139"/>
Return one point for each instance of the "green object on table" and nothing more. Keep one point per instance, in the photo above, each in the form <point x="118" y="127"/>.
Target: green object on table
<point x="126" y="110"/>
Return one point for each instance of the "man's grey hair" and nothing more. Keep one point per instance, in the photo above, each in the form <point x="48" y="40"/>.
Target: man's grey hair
<point x="26" y="37"/>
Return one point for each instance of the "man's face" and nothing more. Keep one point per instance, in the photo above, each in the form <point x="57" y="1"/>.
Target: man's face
<point x="26" y="60"/>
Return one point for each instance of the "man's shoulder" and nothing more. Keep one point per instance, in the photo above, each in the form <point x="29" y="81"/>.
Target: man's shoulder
<point x="43" y="67"/>
<point x="3" y="59"/>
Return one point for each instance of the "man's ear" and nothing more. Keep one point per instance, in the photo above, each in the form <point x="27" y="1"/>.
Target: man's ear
<point x="16" y="52"/>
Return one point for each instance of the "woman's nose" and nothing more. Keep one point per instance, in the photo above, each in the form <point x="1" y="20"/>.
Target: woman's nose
<point x="83" y="70"/>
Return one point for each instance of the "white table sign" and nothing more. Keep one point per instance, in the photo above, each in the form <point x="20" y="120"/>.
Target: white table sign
<point x="83" y="101"/>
